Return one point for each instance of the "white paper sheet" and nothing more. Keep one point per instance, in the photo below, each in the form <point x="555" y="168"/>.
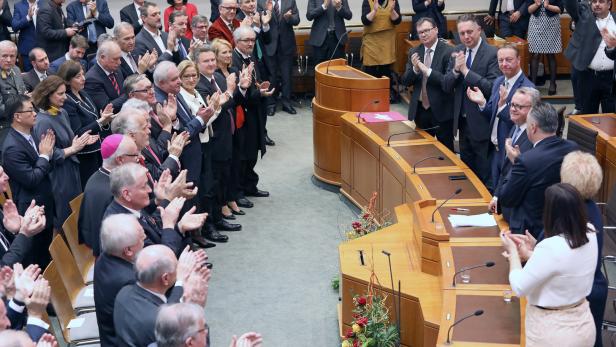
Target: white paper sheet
<point x="478" y="220"/>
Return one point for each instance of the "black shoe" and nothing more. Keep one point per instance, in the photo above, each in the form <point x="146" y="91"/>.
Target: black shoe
<point x="238" y="212"/>
<point x="269" y="141"/>
<point x="223" y="225"/>
<point x="229" y="217"/>
<point x="258" y="193"/>
<point x="213" y="235"/>
<point x="271" y="111"/>
<point x="289" y="109"/>
<point x="245" y="203"/>
<point x="552" y="89"/>
<point x="200" y="241"/>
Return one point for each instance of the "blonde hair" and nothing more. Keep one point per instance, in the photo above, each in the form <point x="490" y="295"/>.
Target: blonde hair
<point x="582" y="170"/>
<point x="185" y="65"/>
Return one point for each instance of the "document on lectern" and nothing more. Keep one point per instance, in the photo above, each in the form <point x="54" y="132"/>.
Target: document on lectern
<point x="477" y="220"/>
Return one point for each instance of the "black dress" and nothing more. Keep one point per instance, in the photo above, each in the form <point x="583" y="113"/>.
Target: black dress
<point x="83" y="114"/>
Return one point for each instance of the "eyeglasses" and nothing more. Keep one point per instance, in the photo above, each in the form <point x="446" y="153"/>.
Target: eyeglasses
<point x="131" y="155"/>
<point x="145" y="90"/>
<point x="248" y="40"/>
<point x="229" y="8"/>
<point x="425" y="32"/>
<point x="515" y="106"/>
<point x="27" y="111"/>
<point x="190" y="76"/>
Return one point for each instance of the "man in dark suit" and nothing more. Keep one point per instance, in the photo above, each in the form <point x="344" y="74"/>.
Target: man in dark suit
<point x="199" y="26"/>
<point x="40" y="63"/>
<point x="516" y="142"/>
<point x="121" y="240"/>
<point x="125" y="37"/>
<point x="226" y="23"/>
<point x="431" y="9"/>
<point x="23" y="24"/>
<point x="104" y="81"/>
<point x="534" y="171"/>
<point x="52" y="32"/>
<point x="136" y="305"/>
<point x="151" y="38"/>
<point x="430" y="106"/>
<point x="28" y="165"/>
<point x="328" y="28"/>
<point x="94" y="14"/>
<point x="76" y="51"/>
<point x="474" y="64"/>
<point x="178" y="22"/>
<point x="26" y="312"/>
<point x="498" y="106"/>
<point x="282" y="49"/>
<point x="253" y="131"/>
<point x="116" y="150"/>
<point x="5" y="20"/>
<point x="512" y="17"/>
<point x="130" y="14"/>
<point x="586" y="52"/>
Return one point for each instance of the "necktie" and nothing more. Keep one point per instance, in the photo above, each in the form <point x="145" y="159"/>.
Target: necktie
<point x="149" y="148"/>
<point x="183" y="52"/>
<point x="154" y="116"/>
<point x="132" y="63"/>
<point x="231" y="27"/>
<point x="43" y="76"/>
<point x="31" y="141"/>
<point x="424" y="81"/>
<point x="469" y="58"/>
<point x="276" y="8"/>
<point x="516" y="134"/>
<point x="4" y="242"/>
<point x="259" y="52"/>
<point x="147" y="173"/>
<point x="506" y="84"/>
<point x="114" y="83"/>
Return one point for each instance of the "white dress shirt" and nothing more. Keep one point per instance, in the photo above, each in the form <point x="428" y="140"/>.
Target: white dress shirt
<point x="600" y="62"/>
<point x="556" y="275"/>
<point x="509" y="84"/>
<point x="195" y="102"/>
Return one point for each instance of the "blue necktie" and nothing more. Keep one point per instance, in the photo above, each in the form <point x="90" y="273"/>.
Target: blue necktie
<point x="469" y="58"/>
<point x="516" y="134"/>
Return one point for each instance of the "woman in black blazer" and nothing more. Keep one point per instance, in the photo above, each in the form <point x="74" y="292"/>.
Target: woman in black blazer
<point x="84" y="116"/>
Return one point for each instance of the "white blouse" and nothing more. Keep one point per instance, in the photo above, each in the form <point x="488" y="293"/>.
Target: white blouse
<point x="556" y="275"/>
<point x="195" y="102"/>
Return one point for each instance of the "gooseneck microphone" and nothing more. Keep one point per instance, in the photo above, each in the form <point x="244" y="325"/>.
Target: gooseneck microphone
<point x="410" y="132"/>
<point x="363" y="109"/>
<point x="439" y="157"/>
<point x="334" y="53"/>
<point x="393" y="292"/>
<point x="458" y="191"/>
<point x="476" y="313"/>
<point x="486" y="264"/>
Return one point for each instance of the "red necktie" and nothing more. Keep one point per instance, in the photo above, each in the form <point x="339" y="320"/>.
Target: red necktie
<point x="155" y="117"/>
<point x="147" y="173"/>
<point x="153" y="154"/>
<point x="114" y="82"/>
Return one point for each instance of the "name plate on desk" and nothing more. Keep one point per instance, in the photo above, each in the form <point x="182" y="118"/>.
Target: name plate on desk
<point x="385" y="129"/>
<point x="414" y="153"/>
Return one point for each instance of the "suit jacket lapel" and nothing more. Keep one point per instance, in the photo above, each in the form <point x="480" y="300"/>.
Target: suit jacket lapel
<point x="478" y="54"/>
<point x="26" y="144"/>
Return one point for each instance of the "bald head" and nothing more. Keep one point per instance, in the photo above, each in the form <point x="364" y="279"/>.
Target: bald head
<point x="155" y="266"/>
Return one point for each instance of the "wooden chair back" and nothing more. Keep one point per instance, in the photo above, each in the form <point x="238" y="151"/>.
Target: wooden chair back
<point x="81" y="253"/>
<point x="59" y="298"/>
<point x="76" y="203"/>
<point x="61" y="255"/>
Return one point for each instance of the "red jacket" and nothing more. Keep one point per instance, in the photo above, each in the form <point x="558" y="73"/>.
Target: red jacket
<point x="219" y="29"/>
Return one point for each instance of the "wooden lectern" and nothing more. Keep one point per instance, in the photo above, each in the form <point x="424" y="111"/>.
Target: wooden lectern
<point x="340" y="89"/>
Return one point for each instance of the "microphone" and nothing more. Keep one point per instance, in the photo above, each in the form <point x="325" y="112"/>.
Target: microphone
<point x="393" y="291"/>
<point x="372" y="102"/>
<point x="334" y="53"/>
<point x="486" y="264"/>
<point x="476" y="313"/>
<point x="439" y="157"/>
<point x="410" y="132"/>
<point x="458" y="191"/>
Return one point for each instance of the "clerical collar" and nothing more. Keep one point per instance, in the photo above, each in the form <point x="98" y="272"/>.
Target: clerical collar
<point x="104" y="171"/>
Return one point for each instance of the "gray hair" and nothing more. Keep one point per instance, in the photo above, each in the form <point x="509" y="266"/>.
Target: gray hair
<point x="176" y="323"/>
<point x="545" y="116"/>
<point x="143" y="10"/>
<point x="105" y="48"/>
<point x="7" y="44"/>
<point x="102" y="38"/>
<point x="117" y="233"/>
<point x="120" y="28"/>
<point x="198" y="19"/>
<point x="202" y="49"/>
<point x="533" y="93"/>
<point x="131" y="81"/>
<point x="151" y="273"/>
<point x="161" y="72"/>
<point x="125" y="121"/>
<point x="242" y="31"/>
<point x="136" y="104"/>
<point x="124" y="176"/>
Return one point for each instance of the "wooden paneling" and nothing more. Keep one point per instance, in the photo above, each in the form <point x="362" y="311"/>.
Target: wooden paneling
<point x="365" y="174"/>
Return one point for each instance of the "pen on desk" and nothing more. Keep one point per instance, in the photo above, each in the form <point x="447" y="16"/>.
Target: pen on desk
<point x="457" y="209"/>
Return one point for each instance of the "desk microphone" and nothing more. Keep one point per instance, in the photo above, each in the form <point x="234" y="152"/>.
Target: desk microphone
<point x="334" y="53"/>
<point x="393" y="292"/>
<point x="476" y="313"/>
<point x="458" y="191"/>
<point x="372" y="102"/>
<point x="410" y="132"/>
<point x="439" y="157"/>
<point x="486" y="264"/>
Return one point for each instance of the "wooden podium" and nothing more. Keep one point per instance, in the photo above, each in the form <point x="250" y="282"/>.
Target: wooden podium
<point x="339" y="89"/>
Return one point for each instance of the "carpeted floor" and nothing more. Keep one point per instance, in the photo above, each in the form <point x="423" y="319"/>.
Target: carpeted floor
<point x="274" y="276"/>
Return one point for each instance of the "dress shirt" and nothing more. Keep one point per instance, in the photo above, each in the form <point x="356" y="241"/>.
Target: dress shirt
<point x="130" y="60"/>
<point x="600" y="62"/>
<point x="30" y="140"/>
<point x="433" y="48"/>
<point x="31" y="320"/>
<point x="41" y="75"/>
<point x="159" y="40"/>
<point x="473" y="55"/>
<point x="556" y="275"/>
<point x="509" y="6"/>
<point x="195" y="102"/>
<point x="509" y="84"/>
<point x="137" y="8"/>
<point x="522" y="129"/>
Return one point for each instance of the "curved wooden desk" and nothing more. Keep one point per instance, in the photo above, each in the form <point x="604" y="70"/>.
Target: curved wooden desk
<point x="424" y="257"/>
<point x="338" y="91"/>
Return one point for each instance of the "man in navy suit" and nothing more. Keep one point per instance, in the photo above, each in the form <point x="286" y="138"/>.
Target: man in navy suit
<point x="497" y="108"/>
<point x="122" y="237"/>
<point x="328" y="27"/>
<point x="76" y="51"/>
<point x="534" y="171"/>
<point x="474" y="64"/>
<point x="516" y="142"/>
<point x="151" y="38"/>
<point x="104" y="81"/>
<point x="125" y="37"/>
<point x="23" y="24"/>
<point x="97" y="15"/>
<point x="52" y="32"/>
<point x="28" y="164"/>
<point x="130" y="14"/>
